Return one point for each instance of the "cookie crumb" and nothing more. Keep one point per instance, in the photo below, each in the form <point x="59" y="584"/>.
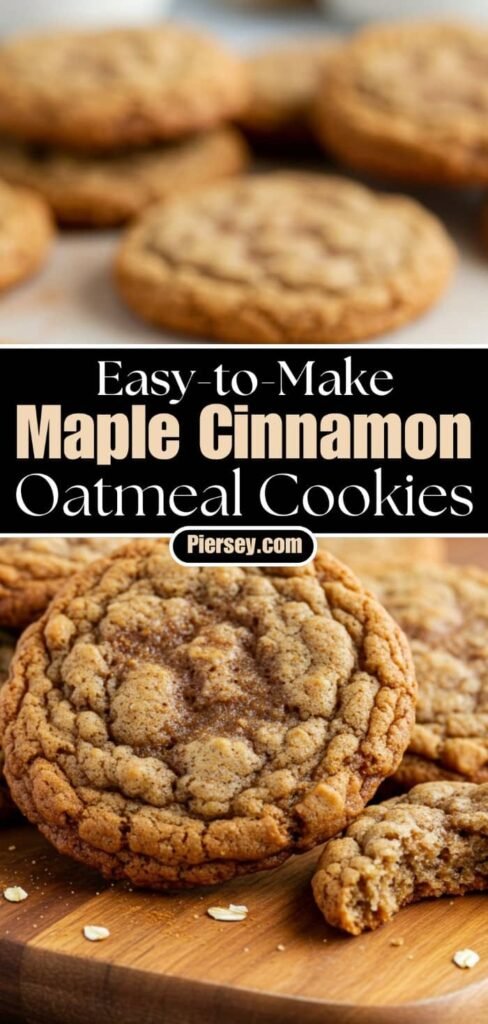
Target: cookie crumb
<point x="15" y="894"/>
<point x="281" y="948"/>
<point x="11" y="848"/>
<point x="397" y="942"/>
<point x="95" y="933"/>
<point x="465" y="958"/>
<point x="230" y="913"/>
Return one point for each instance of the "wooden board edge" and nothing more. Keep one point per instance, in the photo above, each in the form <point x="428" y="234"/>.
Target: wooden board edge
<point x="40" y="987"/>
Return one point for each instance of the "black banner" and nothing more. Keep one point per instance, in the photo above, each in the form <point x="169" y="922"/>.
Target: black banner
<point x="150" y="440"/>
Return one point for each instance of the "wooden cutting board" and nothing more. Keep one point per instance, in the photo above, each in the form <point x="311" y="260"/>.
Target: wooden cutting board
<point x="167" y="962"/>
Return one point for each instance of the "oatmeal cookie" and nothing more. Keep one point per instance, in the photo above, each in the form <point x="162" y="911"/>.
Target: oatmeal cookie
<point x="284" y="82"/>
<point x="8" y="641"/>
<point x="108" y="189"/>
<point x="432" y="841"/>
<point x="111" y="89"/>
<point x="410" y="102"/>
<point x="180" y="726"/>
<point x="284" y="258"/>
<point x="32" y="570"/>
<point x="363" y="554"/>
<point x="26" y="234"/>
<point x="443" y="609"/>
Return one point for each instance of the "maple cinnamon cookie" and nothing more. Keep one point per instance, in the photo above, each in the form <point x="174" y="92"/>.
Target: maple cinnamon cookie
<point x="410" y="101"/>
<point x="180" y="726"/>
<point x="33" y="569"/>
<point x="443" y="609"/>
<point x="26" y="234"/>
<point x="364" y="554"/>
<point x="284" y="258"/>
<point x="111" y="89"/>
<point x="107" y="189"/>
<point x="284" y="82"/>
<point x="8" y="641"/>
<point x="432" y="841"/>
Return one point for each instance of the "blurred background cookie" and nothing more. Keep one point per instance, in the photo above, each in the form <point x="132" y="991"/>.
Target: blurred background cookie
<point x="107" y="189"/>
<point x="284" y="80"/>
<point x="410" y="102"/>
<point x="443" y="609"/>
<point x="32" y="570"/>
<point x="113" y="89"/>
<point x="26" y="234"/>
<point x="284" y="258"/>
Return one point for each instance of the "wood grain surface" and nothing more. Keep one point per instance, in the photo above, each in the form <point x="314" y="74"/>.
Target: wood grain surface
<point x="167" y="961"/>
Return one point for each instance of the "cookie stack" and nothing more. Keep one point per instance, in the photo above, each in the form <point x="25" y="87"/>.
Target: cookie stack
<point x="100" y="124"/>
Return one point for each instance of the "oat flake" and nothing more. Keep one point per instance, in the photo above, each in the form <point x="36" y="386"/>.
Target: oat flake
<point x="230" y="913"/>
<point x="15" y="894"/>
<point x="95" y="933"/>
<point x="465" y="958"/>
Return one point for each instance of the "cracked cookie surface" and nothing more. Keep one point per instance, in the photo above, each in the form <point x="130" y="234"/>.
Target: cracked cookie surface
<point x="26" y="234"/>
<point x="432" y="841"/>
<point x="33" y="569"/>
<point x="179" y="726"/>
<point x="433" y="131"/>
<point x="110" y="89"/>
<point x="443" y="610"/>
<point x="284" y="257"/>
<point x="108" y="189"/>
<point x="283" y="82"/>
<point x="8" y="641"/>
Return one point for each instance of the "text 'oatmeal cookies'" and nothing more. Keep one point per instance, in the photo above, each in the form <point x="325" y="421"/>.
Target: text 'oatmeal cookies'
<point x="179" y="726"/>
<point x="410" y="102"/>
<point x="296" y="258"/>
<point x="432" y="841"/>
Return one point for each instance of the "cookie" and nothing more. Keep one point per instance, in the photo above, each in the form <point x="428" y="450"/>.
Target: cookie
<point x="180" y="726"/>
<point x="108" y="189"/>
<point x="364" y="553"/>
<point x="443" y="609"/>
<point x="26" y="234"/>
<point x="284" y="82"/>
<point x="432" y="841"/>
<point x="410" y="102"/>
<point x="284" y="258"/>
<point x="111" y="89"/>
<point x="32" y="570"/>
<point x="7" y="647"/>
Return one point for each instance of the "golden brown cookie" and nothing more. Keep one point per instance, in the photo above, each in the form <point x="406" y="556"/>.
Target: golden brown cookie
<point x="432" y="841"/>
<point x="410" y="102"/>
<point x="104" y="190"/>
<point x="180" y="726"/>
<point x="284" y="258"/>
<point x="363" y="554"/>
<point x="110" y="89"/>
<point x="32" y="570"/>
<point x="284" y="82"/>
<point x="443" y="610"/>
<point x="8" y="641"/>
<point x="26" y="234"/>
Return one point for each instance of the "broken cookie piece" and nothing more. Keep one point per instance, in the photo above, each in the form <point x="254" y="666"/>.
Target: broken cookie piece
<point x="433" y="841"/>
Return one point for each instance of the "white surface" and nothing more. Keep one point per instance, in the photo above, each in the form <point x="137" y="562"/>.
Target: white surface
<point x="32" y="14"/>
<point x="382" y="9"/>
<point x="74" y="299"/>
